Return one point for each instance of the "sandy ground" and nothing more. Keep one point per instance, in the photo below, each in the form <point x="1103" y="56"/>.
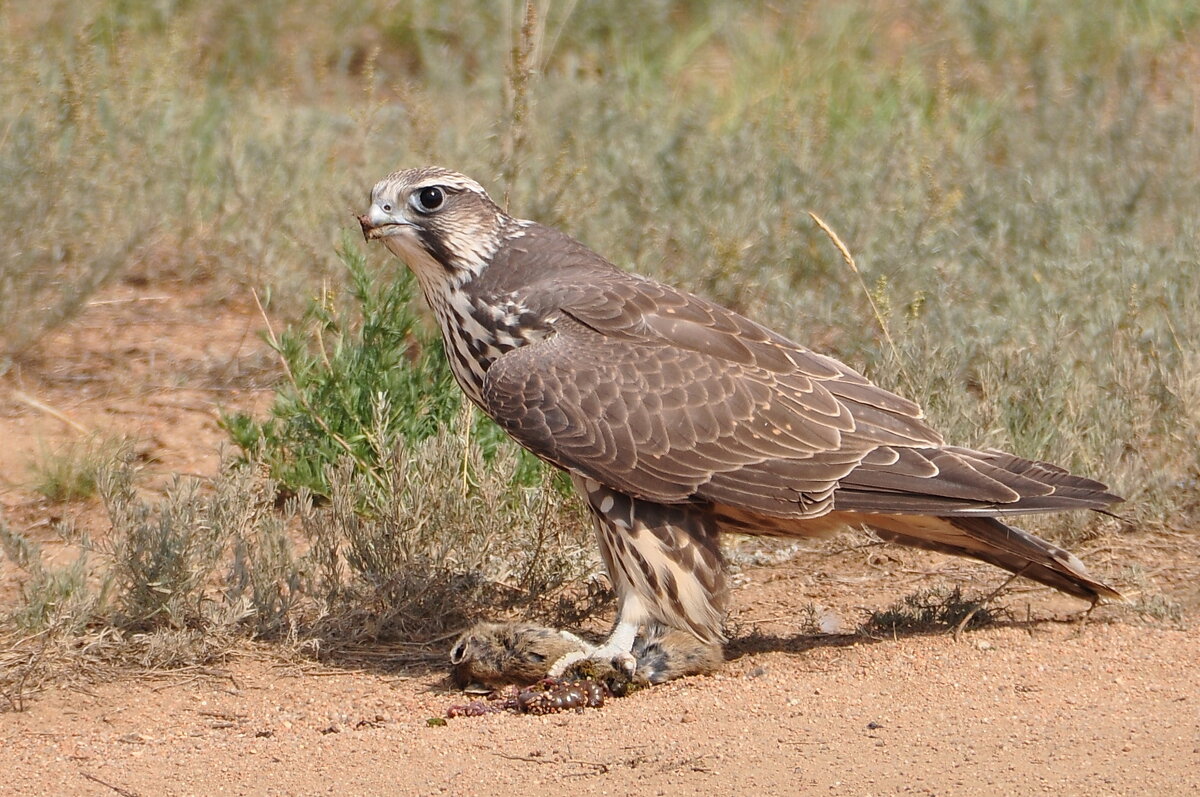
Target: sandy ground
<point x="1111" y="709"/>
<point x="1039" y="705"/>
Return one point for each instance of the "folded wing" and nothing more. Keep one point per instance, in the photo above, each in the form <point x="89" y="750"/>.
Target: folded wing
<point x="668" y="397"/>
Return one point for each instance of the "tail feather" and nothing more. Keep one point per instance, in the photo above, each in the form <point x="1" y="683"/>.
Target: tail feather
<point x="994" y="542"/>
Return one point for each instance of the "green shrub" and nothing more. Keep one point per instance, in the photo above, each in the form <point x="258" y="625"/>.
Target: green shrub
<point x="360" y="378"/>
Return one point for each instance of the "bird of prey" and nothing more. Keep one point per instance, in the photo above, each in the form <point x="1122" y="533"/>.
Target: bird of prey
<point x="679" y="419"/>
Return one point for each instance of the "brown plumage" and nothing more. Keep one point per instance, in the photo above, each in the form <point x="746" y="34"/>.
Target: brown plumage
<point x="679" y="419"/>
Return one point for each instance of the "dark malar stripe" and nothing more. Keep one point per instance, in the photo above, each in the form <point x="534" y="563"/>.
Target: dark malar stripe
<point x="436" y="248"/>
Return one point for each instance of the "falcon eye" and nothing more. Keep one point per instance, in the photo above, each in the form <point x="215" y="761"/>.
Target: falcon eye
<point x="430" y="199"/>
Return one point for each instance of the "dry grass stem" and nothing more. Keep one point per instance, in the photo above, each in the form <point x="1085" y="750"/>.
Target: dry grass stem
<point x="41" y="406"/>
<point x="849" y="260"/>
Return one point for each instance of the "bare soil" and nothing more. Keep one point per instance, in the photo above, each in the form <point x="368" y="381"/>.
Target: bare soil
<point x="1040" y="702"/>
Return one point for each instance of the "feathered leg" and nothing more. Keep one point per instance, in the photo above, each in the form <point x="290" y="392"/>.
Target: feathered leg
<point x="665" y="565"/>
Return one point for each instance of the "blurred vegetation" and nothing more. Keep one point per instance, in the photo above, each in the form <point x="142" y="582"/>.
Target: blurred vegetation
<point x="70" y="472"/>
<point x="1016" y="181"/>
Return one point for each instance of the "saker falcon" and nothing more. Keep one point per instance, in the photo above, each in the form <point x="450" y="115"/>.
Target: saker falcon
<point x="679" y="419"/>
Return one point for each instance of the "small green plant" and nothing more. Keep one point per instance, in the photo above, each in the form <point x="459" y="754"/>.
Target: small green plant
<point x="358" y="378"/>
<point x="70" y="472"/>
<point x="199" y="558"/>
<point x="173" y="582"/>
<point x="178" y="579"/>
<point x="206" y="559"/>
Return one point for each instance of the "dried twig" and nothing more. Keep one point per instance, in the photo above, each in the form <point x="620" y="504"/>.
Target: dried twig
<point x="119" y="790"/>
<point x="521" y="69"/>
<point x="958" y="629"/>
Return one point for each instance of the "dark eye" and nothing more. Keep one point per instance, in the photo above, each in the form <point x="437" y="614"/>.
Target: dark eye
<point x="430" y="198"/>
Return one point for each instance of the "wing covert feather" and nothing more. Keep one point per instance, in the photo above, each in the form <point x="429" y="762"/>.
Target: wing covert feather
<point x="692" y="422"/>
<point x="671" y="398"/>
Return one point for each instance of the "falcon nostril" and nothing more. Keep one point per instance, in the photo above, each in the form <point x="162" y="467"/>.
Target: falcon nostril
<point x="386" y="207"/>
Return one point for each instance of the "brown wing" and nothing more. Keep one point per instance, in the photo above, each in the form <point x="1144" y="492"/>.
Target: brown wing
<point x="668" y="397"/>
<point x="954" y="481"/>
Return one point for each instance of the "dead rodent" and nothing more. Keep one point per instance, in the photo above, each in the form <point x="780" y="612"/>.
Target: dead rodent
<point x="491" y="655"/>
<point x="665" y="653"/>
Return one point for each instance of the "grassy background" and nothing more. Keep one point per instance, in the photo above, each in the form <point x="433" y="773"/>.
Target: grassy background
<point x="1017" y="181"/>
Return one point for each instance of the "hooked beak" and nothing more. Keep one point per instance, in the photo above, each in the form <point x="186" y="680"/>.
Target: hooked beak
<point x="377" y="223"/>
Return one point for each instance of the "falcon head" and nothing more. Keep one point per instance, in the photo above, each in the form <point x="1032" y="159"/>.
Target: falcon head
<point x="441" y="224"/>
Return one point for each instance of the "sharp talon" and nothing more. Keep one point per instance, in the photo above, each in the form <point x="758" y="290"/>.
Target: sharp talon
<point x="625" y="664"/>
